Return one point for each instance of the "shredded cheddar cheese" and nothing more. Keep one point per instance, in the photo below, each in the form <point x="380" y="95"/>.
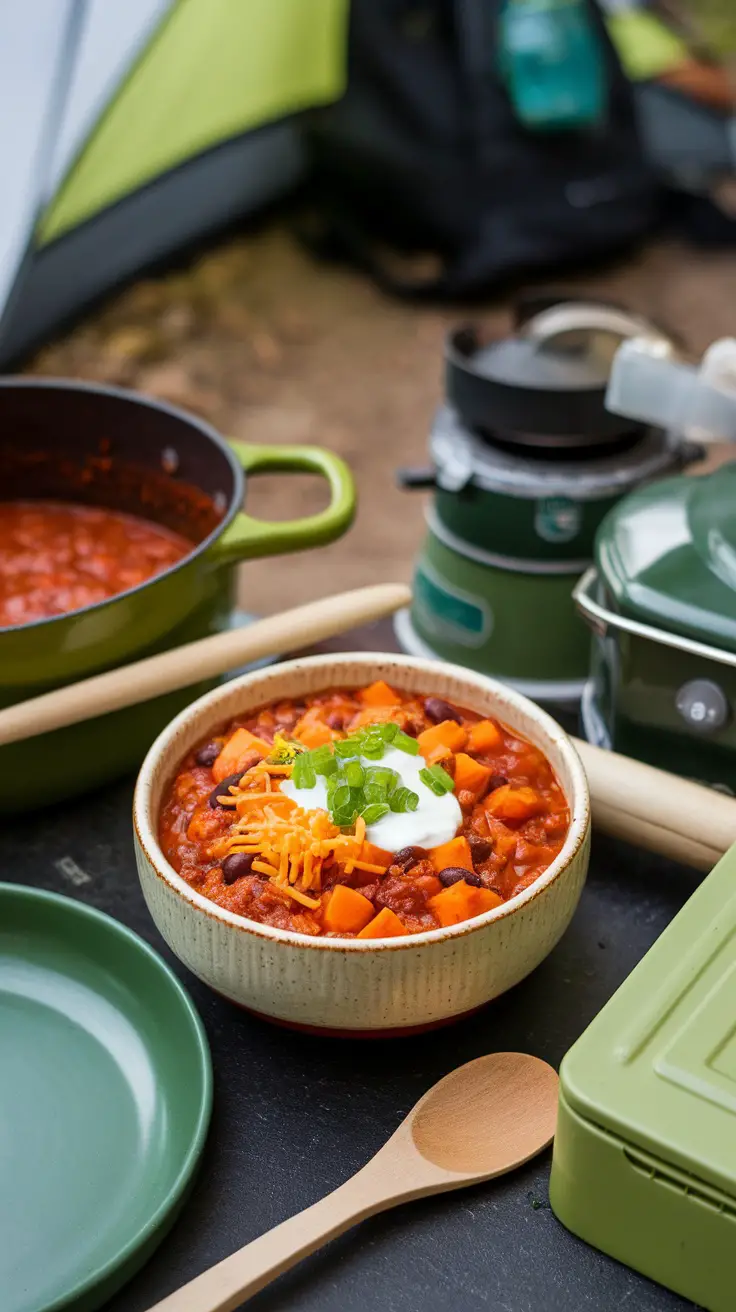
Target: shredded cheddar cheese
<point x="290" y="845"/>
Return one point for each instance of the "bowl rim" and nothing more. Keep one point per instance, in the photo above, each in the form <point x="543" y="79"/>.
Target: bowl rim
<point x="577" y="833"/>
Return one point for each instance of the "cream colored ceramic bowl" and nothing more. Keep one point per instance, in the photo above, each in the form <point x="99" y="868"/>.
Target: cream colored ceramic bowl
<point x="346" y="984"/>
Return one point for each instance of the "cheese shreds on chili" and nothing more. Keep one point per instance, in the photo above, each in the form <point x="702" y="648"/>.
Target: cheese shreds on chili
<point x="290" y="849"/>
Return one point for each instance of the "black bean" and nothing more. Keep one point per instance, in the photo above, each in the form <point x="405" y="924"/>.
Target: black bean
<point x="453" y="875"/>
<point x="236" y="865"/>
<point x="496" y="781"/>
<point x="480" y="848"/>
<point x="222" y="789"/>
<point x="208" y="754"/>
<point x="437" y="710"/>
<point x="408" y="857"/>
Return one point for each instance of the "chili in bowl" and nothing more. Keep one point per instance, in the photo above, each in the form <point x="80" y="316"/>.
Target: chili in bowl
<point x="362" y="843"/>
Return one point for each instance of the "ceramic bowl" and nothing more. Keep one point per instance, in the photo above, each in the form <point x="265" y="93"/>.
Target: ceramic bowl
<point x="347" y="985"/>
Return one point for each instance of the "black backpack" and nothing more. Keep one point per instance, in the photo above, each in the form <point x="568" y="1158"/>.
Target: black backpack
<point x="423" y="153"/>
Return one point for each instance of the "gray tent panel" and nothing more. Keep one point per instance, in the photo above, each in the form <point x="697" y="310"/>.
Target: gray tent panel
<point x="178" y="208"/>
<point x="37" y="39"/>
<point x="113" y="34"/>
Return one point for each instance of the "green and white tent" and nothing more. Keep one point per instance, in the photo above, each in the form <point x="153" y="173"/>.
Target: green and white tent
<point x="132" y="128"/>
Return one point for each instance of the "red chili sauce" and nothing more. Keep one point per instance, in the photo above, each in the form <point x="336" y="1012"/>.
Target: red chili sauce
<point x="234" y="837"/>
<point x="57" y="557"/>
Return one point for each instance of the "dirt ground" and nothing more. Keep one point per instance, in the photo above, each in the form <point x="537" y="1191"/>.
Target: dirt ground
<point x="270" y="347"/>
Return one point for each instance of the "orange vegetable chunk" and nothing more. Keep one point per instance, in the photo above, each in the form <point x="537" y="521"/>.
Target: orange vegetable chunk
<point x="375" y="856"/>
<point x="454" y="853"/>
<point x="379" y="694"/>
<point x="313" y="730"/>
<point x="448" y="734"/>
<point x="461" y="902"/>
<point x="470" y="774"/>
<point x="385" y="925"/>
<point x="484" y="737"/>
<point x="347" y="911"/>
<point x="509" y="803"/>
<point x="235" y="753"/>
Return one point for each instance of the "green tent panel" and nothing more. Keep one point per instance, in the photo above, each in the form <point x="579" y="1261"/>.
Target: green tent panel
<point x="178" y="117"/>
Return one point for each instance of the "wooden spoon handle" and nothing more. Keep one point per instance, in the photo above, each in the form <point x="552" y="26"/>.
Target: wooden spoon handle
<point x="381" y="1184"/>
<point x="658" y="811"/>
<point x="205" y="659"/>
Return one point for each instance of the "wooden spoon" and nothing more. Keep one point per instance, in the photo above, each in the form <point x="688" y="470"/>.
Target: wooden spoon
<point x="482" y="1120"/>
<point x="205" y="659"/>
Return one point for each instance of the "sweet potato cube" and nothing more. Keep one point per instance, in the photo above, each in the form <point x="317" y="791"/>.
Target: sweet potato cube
<point x="454" y="853"/>
<point x="347" y="911"/>
<point x="385" y="925"/>
<point x="379" y="694"/>
<point x="313" y="730"/>
<point x="237" y="753"/>
<point x="461" y="902"/>
<point x="484" y="737"/>
<point x="470" y="774"/>
<point x="448" y="733"/>
<point x="375" y="856"/>
<point x="509" y="803"/>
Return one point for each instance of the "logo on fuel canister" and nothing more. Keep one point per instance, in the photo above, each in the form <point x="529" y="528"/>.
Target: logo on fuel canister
<point x="557" y="519"/>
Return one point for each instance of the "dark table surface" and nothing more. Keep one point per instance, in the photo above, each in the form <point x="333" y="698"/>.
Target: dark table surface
<point x="294" y="1116"/>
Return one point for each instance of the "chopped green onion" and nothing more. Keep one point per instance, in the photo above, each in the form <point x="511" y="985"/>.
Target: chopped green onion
<point x="355" y="774"/>
<point x="372" y="814"/>
<point x="382" y="777"/>
<point x="374" y="793"/>
<point x="340" y="798"/>
<point x="303" y="775"/>
<point x="388" y="731"/>
<point x="406" y="744"/>
<point x="429" y="780"/>
<point x="347" y="747"/>
<point x="403" y="799"/>
<point x="442" y="777"/>
<point x="372" y="748"/>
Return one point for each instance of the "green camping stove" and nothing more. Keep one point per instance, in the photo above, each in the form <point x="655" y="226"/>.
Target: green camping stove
<point x="526" y="462"/>
<point x="661" y="595"/>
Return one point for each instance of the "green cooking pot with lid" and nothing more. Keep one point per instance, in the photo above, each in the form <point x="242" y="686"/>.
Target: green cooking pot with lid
<point x="661" y="600"/>
<point x="77" y="442"/>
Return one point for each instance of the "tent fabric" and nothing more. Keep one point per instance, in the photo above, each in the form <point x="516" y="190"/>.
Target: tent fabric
<point x="182" y="206"/>
<point x="37" y="40"/>
<point x="130" y="129"/>
<point x="214" y="69"/>
<point x="112" y="37"/>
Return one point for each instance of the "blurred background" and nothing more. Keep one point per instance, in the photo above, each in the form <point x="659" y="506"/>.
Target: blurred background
<point x="270" y="214"/>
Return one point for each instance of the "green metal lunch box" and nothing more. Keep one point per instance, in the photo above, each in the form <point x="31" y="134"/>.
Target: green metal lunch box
<point x="644" y="1163"/>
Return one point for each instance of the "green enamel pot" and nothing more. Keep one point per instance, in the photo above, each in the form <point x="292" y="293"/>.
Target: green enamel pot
<point x="103" y="446"/>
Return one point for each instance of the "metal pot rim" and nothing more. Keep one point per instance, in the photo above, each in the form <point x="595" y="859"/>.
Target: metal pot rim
<point x="19" y="382"/>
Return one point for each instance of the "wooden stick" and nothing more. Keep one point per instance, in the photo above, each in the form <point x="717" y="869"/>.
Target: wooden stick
<point x="658" y="811"/>
<point x="205" y="659"/>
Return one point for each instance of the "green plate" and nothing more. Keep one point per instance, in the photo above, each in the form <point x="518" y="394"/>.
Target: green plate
<point x="105" y="1098"/>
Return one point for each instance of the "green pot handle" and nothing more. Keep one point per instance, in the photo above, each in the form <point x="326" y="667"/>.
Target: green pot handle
<point x="248" y="537"/>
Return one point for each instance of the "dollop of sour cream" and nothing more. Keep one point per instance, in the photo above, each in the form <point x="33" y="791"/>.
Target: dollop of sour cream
<point x="435" y="821"/>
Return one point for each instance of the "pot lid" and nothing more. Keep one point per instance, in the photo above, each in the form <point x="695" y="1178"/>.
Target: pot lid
<point x="545" y="385"/>
<point x="667" y="554"/>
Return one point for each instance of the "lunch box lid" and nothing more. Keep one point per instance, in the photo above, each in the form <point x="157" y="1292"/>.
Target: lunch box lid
<point x="667" y="556"/>
<point x="657" y="1067"/>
